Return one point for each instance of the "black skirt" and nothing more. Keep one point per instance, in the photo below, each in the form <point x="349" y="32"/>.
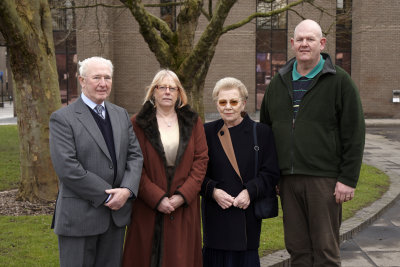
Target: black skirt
<point x="229" y="258"/>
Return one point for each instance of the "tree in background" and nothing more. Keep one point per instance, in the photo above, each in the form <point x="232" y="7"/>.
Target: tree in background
<point x="174" y="46"/>
<point x="26" y="25"/>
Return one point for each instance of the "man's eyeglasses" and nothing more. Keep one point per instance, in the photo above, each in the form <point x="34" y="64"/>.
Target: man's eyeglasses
<point x="232" y="102"/>
<point x="98" y="78"/>
<point x="164" y="88"/>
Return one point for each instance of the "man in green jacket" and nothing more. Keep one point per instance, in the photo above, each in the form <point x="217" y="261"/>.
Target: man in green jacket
<point x="315" y="112"/>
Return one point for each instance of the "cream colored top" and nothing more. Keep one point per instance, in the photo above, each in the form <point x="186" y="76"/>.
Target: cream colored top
<point x="170" y="141"/>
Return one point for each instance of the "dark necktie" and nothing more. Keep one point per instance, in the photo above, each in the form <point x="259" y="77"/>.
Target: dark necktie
<point x="99" y="110"/>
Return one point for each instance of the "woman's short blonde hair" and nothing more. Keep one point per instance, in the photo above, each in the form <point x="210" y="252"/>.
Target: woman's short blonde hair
<point x="160" y="75"/>
<point x="230" y="83"/>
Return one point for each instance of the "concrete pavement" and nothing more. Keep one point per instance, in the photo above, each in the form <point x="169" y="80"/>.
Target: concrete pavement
<point x="379" y="243"/>
<point x="7" y="114"/>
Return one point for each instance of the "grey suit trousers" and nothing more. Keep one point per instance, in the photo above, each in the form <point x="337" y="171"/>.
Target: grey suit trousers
<point x="103" y="250"/>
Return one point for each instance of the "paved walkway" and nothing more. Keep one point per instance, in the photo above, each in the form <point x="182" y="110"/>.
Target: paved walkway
<point x="370" y="242"/>
<point x="7" y="114"/>
<point x="379" y="243"/>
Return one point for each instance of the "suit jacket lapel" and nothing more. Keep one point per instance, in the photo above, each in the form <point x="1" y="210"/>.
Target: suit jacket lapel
<point x="116" y="127"/>
<point x="85" y="117"/>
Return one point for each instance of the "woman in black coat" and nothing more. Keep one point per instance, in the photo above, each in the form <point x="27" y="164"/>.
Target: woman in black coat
<point x="231" y="232"/>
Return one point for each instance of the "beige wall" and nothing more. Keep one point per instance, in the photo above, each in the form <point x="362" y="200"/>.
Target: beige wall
<point x="376" y="55"/>
<point x="235" y="56"/>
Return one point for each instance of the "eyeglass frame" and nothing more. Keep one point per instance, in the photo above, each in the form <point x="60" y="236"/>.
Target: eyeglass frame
<point x="164" y="88"/>
<point x="230" y="101"/>
<point x="98" y="78"/>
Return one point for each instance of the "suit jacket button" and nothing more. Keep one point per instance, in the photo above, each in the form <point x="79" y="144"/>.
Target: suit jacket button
<point x="111" y="166"/>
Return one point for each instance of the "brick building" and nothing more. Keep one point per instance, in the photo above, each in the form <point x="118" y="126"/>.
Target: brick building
<point x="365" y="42"/>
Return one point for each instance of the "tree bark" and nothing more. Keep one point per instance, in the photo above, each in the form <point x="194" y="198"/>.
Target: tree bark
<point x="27" y="28"/>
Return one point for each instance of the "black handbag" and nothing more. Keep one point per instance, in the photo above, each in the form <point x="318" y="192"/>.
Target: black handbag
<point x="266" y="207"/>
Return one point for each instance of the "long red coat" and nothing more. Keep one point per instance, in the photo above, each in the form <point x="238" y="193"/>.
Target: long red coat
<point x="179" y="232"/>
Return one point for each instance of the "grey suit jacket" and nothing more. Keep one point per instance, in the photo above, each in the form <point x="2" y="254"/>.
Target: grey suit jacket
<point x="85" y="170"/>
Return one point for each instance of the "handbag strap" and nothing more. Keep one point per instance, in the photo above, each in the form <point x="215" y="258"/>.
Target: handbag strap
<point x="256" y="149"/>
<point x="226" y="142"/>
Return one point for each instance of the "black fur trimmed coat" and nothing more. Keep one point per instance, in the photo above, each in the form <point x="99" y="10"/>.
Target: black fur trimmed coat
<point x="155" y="239"/>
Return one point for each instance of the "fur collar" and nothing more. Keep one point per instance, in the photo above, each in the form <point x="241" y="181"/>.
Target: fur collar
<point x="146" y="119"/>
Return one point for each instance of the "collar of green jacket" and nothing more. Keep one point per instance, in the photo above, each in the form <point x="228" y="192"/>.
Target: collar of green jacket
<point x="328" y="65"/>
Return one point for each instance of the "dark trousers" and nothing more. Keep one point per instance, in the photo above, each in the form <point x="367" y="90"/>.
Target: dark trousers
<point x="311" y="220"/>
<point x="99" y="250"/>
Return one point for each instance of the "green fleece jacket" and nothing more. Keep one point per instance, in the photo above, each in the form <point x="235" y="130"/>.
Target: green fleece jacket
<point x="327" y="137"/>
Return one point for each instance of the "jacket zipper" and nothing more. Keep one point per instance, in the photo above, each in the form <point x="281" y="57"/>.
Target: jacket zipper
<point x="292" y="150"/>
<point x="293" y="125"/>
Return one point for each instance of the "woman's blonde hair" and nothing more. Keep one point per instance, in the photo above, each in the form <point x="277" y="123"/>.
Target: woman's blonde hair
<point x="160" y="75"/>
<point x="229" y="83"/>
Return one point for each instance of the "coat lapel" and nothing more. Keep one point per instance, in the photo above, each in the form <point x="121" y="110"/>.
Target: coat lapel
<point x="226" y="143"/>
<point x="86" y="119"/>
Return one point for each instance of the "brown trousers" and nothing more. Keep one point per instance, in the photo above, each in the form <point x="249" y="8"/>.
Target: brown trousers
<point x="311" y="220"/>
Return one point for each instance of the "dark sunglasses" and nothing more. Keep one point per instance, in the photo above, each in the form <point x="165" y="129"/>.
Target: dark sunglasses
<point x="232" y="102"/>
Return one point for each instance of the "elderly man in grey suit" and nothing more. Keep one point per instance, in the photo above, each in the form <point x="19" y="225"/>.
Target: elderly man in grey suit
<point x="98" y="160"/>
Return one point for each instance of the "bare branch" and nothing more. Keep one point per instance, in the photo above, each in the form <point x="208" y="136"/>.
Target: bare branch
<point x="323" y="10"/>
<point x="327" y="32"/>
<point x="204" y="12"/>
<point x="210" y="37"/>
<point x="89" y="6"/>
<point x="67" y="35"/>
<point x="162" y="26"/>
<point x="98" y="23"/>
<point x="298" y="14"/>
<point x="262" y="14"/>
<point x="148" y="24"/>
<point x="164" y="4"/>
<point x="118" y="6"/>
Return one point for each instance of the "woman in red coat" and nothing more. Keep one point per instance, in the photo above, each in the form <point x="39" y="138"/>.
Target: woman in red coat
<point x="165" y="226"/>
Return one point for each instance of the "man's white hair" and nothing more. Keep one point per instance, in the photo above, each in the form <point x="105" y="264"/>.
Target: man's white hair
<point x="83" y="65"/>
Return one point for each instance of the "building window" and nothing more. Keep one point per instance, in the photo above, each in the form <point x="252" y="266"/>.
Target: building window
<point x="343" y="34"/>
<point x="168" y="14"/>
<point x="271" y="45"/>
<point x="64" y="35"/>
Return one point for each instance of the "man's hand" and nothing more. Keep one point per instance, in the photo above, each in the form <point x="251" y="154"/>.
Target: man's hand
<point x="223" y="199"/>
<point x="343" y="193"/>
<point x="165" y="206"/>
<point x="118" y="198"/>
<point x="242" y="201"/>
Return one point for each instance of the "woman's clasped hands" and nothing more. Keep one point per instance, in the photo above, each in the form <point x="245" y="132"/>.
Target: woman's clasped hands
<point x="224" y="200"/>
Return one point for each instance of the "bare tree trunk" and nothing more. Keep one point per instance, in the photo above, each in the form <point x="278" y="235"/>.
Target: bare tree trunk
<point x="27" y="28"/>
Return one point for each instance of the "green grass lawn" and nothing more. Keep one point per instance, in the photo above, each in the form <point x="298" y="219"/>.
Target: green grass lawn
<point x="9" y="155"/>
<point x="29" y="241"/>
